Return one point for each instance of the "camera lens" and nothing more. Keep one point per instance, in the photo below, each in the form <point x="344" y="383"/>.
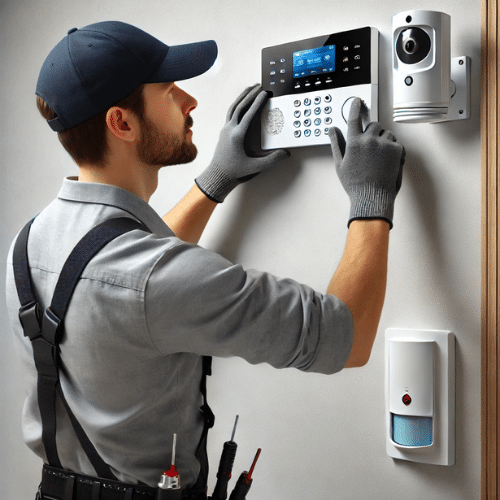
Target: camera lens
<point x="413" y="45"/>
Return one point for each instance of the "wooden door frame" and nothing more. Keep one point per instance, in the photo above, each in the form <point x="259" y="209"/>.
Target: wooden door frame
<point x="490" y="246"/>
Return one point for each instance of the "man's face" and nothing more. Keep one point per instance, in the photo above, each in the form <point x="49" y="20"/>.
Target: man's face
<point x="166" y="138"/>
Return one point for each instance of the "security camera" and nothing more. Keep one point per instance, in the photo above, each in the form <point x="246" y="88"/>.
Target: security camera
<point x="422" y="82"/>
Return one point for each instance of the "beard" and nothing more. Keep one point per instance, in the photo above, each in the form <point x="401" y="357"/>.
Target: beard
<point x="159" y="149"/>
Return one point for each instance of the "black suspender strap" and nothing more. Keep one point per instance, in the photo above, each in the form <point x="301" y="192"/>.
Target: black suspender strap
<point x="45" y="332"/>
<point x="43" y="352"/>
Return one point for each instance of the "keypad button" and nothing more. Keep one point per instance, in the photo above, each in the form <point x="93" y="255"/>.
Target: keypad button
<point x="328" y="110"/>
<point x="272" y="73"/>
<point x="296" y="124"/>
<point x="297" y="114"/>
<point x="328" y="98"/>
<point x="307" y="133"/>
<point x="328" y="120"/>
<point x="317" y="132"/>
<point x="307" y="112"/>
<point x="317" y="122"/>
<point x="326" y="131"/>
<point x="297" y="103"/>
<point x="307" y="101"/>
<point x="307" y="123"/>
<point x="297" y="133"/>
<point x="317" y="100"/>
<point x="317" y="111"/>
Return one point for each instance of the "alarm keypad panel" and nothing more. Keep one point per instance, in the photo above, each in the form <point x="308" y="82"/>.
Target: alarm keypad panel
<point x="312" y="83"/>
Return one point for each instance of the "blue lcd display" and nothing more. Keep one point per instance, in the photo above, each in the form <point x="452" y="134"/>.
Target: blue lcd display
<point x="314" y="61"/>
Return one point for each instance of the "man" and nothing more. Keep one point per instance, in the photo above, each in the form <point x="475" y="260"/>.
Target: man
<point x="151" y="304"/>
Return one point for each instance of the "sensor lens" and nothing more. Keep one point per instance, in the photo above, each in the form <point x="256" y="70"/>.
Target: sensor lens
<point x="413" y="45"/>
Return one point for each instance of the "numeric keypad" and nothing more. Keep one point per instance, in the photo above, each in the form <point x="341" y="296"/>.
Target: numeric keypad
<point x="321" y="110"/>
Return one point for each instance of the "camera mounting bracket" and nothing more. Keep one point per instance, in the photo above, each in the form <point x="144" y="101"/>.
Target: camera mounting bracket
<point x="459" y="108"/>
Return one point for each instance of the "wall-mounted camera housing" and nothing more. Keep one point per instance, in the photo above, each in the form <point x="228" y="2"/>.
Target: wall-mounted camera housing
<point x="421" y="66"/>
<point x="428" y="85"/>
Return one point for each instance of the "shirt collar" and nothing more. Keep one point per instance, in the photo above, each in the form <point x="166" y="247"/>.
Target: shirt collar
<point x="104" y="194"/>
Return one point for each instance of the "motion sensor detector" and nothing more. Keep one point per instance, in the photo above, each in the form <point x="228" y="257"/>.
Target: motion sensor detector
<point x="422" y="86"/>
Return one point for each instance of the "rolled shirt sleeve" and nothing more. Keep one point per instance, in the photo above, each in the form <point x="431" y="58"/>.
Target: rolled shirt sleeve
<point x="197" y="301"/>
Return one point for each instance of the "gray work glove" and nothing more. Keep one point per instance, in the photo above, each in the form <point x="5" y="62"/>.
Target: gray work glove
<point x="233" y="163"/>
<point x="370" y="166"/>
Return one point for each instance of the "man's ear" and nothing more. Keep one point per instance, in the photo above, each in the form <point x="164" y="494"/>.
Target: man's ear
<point x="122" y="124"/>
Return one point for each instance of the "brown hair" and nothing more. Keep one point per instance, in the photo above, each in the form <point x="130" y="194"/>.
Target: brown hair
<point x="86" y="143"/>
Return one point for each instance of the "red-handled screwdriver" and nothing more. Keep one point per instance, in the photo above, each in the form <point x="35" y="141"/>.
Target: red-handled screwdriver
<point x="170" y="479"/>
<point x="244" y="482"/>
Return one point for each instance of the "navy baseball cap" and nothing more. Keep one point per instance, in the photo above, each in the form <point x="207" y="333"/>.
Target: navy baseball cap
<point x="94" y="67"/>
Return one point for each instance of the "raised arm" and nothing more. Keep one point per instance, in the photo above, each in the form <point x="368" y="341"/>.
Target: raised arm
<point x="360" y="282"/>
<point x="370" y="169"/>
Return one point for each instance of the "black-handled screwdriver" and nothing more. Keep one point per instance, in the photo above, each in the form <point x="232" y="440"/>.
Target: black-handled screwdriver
<point x="225" y="466"/>
<point x="244" y="482"/>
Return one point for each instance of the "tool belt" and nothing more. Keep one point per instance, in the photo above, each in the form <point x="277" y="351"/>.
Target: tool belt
<point x="59" y="484"/>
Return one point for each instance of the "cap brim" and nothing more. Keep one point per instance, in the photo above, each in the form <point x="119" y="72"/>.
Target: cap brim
<point x="185" y="61"/>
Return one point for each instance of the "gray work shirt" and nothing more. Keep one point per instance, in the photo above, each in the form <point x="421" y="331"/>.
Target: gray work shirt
<point x="146" y="310"/>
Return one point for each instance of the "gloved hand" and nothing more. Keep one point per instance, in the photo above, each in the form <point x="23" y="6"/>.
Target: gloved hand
<point x="370" y="166"/>
<point x="232" y="164"/>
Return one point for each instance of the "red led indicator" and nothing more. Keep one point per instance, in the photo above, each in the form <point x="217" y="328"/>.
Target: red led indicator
<point x="406" y="399"/>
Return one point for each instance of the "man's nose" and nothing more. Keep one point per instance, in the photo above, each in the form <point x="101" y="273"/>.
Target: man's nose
<point x="189" y="102"/>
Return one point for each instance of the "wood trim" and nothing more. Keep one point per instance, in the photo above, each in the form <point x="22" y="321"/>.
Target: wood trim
<point x="490" y="269"/>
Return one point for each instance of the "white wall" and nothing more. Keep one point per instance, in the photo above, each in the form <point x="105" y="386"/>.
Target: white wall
<point x="321" y="437"/>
